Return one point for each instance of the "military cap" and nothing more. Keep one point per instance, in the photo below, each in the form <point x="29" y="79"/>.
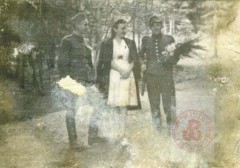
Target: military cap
<point x="78" y="18"/>
<point x="154" y="19"/>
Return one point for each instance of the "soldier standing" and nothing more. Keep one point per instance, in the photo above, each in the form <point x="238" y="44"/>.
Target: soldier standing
<point x="75" y="57"/>
<point x="159" y="73"/>
<point x="75" y="60"/>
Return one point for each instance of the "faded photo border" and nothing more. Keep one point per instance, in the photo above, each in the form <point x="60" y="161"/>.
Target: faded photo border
<point x="54" y="83"/>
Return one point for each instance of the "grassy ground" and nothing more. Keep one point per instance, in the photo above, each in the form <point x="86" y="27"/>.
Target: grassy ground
<point x="6" y="101"/>
<point x="42" y="141"/>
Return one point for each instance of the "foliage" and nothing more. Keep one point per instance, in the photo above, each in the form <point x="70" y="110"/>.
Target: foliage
<point x="6" y="57"/>
<point x="215" y="13"/>
<point x="47" y="21"/>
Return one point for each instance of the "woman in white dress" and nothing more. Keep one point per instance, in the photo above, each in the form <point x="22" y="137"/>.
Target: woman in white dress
<point x="117" y="70"/>
<point x="122" y="88"/>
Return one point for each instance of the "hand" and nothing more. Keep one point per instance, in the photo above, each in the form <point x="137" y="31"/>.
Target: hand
<point x="170" y="53"/>
<point x="88" y="67"/>
<point x="34" y="55"/>
<point x="125" y="75"/>
<point x="163" y="58"/>
<point x="143" y="67"/>
<point x="164" y="53"/>
<point x="123" y="71"/>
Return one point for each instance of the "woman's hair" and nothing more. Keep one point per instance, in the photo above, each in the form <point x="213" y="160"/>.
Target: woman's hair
<point x="115" y="25"/>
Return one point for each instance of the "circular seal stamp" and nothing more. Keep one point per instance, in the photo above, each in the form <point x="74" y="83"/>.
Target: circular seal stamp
<point x="193" y="130"/>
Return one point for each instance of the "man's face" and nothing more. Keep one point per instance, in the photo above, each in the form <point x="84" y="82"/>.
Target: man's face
<point x="120" y="30"/>
<point x="82" y="28"/>
<point x="156" y="28"/>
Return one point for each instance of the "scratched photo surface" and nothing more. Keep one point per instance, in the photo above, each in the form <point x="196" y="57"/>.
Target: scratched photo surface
<point x="119" y="84"/>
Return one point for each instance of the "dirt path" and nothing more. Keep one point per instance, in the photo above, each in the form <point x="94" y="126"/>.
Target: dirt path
<point x="42" y="142"/>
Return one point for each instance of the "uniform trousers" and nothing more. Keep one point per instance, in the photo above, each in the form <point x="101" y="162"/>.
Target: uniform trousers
<point x="161" y="86"/>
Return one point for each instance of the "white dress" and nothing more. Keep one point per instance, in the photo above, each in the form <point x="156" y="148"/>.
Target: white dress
<point x="122" y="92"/>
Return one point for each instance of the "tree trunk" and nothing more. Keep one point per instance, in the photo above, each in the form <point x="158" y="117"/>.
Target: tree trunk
<point x="146" y="19"/>
<point x="171" y="25"/>
<point x="165" y="25"/>
<point x="133" y="28"/>
<point x="138" y="30"/>
<point x="134" y="2"/>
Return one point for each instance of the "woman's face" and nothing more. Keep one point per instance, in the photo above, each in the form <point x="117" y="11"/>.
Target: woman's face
<point x="120" y="30"/>
<point x="82" y="28"/>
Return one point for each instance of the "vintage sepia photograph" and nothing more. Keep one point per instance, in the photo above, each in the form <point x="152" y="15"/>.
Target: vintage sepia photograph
<point x="119" y="84"/>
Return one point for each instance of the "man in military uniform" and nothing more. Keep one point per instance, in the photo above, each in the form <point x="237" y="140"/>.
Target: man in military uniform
<point x="159" y="73"/>
<point x="75" y="57"/>
<point x="75" y="60"/>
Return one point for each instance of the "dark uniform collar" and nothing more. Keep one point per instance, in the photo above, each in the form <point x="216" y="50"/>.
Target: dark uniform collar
<point x="78" y="37"/>
<point x="157" y="36"/>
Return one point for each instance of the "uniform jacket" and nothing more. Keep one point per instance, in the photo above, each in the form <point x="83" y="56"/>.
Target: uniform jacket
<point x="104" y="64"/>
<point x="75" y="58"/>
<point x="151" y="51"/>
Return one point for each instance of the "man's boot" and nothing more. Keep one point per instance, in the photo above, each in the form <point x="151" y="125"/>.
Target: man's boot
<point x="74" y="145"/>
<point x="170" y="123"/>
<point x="171" y="117"/>
<point x="72" y="134"/>
<point x="157" y="122"/>
<point x="93" y="136"/>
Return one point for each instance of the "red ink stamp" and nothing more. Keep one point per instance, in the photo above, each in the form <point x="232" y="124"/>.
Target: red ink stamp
<point x="193" y="130"/>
